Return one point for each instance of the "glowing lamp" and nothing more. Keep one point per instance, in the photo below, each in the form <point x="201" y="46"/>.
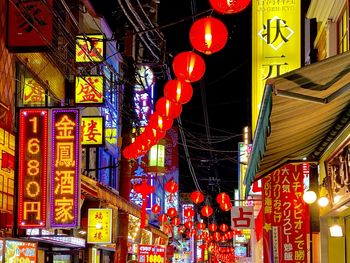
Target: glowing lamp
<point x="226" y="206"/>
<point x="212" y="227"/>
<point x="197" y="197"/>
<point x="168" y="108"/>
<point x="159" y="122"/>
<point x="188" y="66"/>
<point x="153" y="133"/>
<point x="200" y="225"/>
<point x="188" y="212"/>
<point x="175" y="221"/>
<point x="323" y="201"/>
<point x="189" y="224"/>
<point x="171" y="212"/>
<point x="162" y="218"/>
<point x="336" y="230"/>
<point x="208" y="35"/>
<point x="223" y="198"/>
<point x="229" y="6"/>
<point x="156" y="209"/>
<point x="171" y="186"/>
<point x="309" y="197"/>
<point x="206" y="211"/>
<point x="223" y="227"/>
<point x="178" y="91"/>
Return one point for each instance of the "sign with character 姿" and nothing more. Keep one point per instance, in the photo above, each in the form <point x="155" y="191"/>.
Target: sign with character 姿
<point x="65" y="163"/>
<point x="285" y="215"/>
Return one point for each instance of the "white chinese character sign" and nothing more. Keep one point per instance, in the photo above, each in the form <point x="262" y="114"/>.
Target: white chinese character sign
<point x="242" y="217"/>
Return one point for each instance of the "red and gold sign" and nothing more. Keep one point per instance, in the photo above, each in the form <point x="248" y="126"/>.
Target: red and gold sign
<point x="151" y="253"/>
<point x="33" y="134"/>
<point x="89" y="90"/>
<point x="89" y="48"/>
<point x="99" y="225"/>
<point x="285" y="215"/>
<point x="65" y="191"/>
<point x="33" y="93"/>
<point x="29" y="25"/>
<point x="92" y="130"/>
<point x="20" y="251"/>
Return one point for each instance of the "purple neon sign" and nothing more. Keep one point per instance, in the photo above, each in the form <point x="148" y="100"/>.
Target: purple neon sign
<point x="64" y="196"/>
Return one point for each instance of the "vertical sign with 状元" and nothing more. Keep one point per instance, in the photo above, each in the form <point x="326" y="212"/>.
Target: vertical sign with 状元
<point x="32" y="171"/>
<point x="65" y="163"/>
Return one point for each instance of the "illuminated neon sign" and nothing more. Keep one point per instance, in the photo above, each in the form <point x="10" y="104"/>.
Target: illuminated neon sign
<point x="89" y="48"/>
<point x="64" y="196"/>
<point x="92" y="130"/>
<point x="99" y="225"/>
<point x="89" y="90"/>
<point x="33" y="133"/>
<point x="33" y="93"/>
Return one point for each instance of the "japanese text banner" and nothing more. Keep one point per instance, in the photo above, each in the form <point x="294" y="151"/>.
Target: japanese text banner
<point x="65" y="179"/>
<point x="285" y="216"/>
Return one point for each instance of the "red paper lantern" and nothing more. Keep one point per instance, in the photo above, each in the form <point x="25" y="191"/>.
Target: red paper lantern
<point x="223" y="198"/>
<point x="208" y="35"/>
<point x="223" y="227"/>
<point x="171" y="212"/>
<point x="162" y="218"/>
<point x="217" y="236"/>
<point x="229" y="6"/>
<point x="206" y="211"/>
<point x="156" y="209"/>
<point x="212" y="227"/>
<point x="153" y="134"/>
<point x="197" y="197"/>
<point x="188" y="66"/>
<point x="226" y="206"/>
<point x="159" y="122"/>
<point x="189" y="212"/>
<point x="175" y="221"/>
<point x="200" y="225"/>
<point x="189" y="224"/>
<point x="178" y="91"/>
<point x="168" y="108"/>
<point x="171" y="186"/>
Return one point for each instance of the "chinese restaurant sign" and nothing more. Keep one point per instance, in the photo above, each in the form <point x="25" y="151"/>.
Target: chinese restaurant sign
<point x="89" y="90"/>
<point x="242" y="217"/>
<point x="99" y="225"/>
<point x="285" y="216"/>
<point x="33" y="140"/>
<point x="276" y="44"/>
<point x="29" y="25"/>
<point x="20" y="251"/>
<point x="89" y="48"/>
<point x="151" y="253"/>
<point x="92" y="131"/>
<point x="34" y="94"/>
<point x="65" y="191"/>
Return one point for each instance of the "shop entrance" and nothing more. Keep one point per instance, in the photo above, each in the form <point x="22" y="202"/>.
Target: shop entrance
<point x="62" y="255"/>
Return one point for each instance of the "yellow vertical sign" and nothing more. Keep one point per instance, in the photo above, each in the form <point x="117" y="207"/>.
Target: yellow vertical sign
<point x="99" y="225"/>
<point x="276" y="44"/>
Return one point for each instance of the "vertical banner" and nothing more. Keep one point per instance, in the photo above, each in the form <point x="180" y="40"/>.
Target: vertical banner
<point x="65" y="179"/>
<point x="285" y="216"/>
<point x="276" y="44"/>
<point x="33" y="140"/>
<point x="29" y="25"/>
<point x="99" y="226"/>
<point x="92" y="131"/>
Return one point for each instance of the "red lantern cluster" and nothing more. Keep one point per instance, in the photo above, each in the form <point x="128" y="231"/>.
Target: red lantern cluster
<point x="229" y="6"/>
<point x="208" y="35"/>
<point x="224" y="201"/>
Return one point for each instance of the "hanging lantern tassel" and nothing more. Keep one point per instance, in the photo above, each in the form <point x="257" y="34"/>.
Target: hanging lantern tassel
<point x="144" y="189"/>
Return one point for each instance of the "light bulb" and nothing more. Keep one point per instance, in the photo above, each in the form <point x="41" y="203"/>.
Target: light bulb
<point x="323" y="201"/>
<point x="309" y="197"/>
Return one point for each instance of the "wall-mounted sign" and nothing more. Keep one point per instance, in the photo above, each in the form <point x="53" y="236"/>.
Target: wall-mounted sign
<point x="151" y="253"/>
<point x="92" y="131"/>
<point x="20" y="251"/>
<point x="89" y="90"/>
<point x="99" y="225"/>
<point x="276" y="44"/>
<point x="33" y="93"/>
<point x="242" y="217"/>
<point x="89" y="48"/>
<point x="29" y="25"/>
<point x="65" y="168"/>
<point x="33" y="140"/>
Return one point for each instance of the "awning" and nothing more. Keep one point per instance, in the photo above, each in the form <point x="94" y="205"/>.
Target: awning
<point x="301" y="114"/>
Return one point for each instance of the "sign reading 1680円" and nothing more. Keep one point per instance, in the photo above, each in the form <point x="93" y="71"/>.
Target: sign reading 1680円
<point x="33" y="134"/>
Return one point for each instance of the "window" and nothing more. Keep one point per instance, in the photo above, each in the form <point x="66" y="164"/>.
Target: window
<point x="343" y="31"/>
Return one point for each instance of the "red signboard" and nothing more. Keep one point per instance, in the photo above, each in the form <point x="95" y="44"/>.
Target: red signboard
<point x="65" y="191"/>
<point x="33" y="132"/>
<point x="151" y="253"/>
<point x="29" y="25"/>
<point x="285" y="216"/>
